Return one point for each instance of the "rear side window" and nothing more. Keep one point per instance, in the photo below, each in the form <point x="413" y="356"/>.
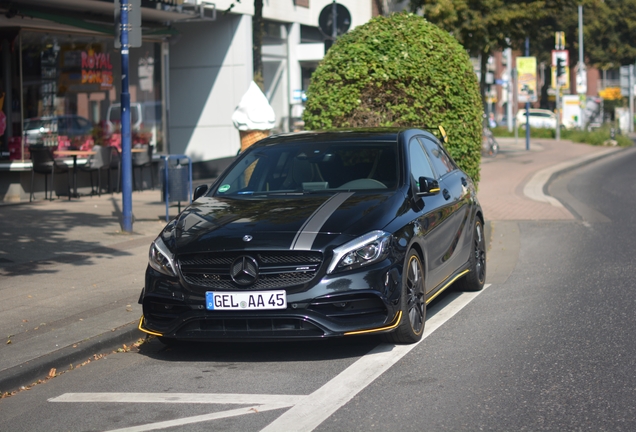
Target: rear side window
<point x="441" y="161"/>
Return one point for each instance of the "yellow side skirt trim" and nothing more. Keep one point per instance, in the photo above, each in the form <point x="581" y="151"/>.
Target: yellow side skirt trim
<point x="395" y="323"/>
<point x="447" y="285"/>
<point x="147" y="331"/>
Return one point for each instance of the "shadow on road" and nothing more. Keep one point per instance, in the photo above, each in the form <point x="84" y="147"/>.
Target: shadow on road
<point x="260" y="351"/>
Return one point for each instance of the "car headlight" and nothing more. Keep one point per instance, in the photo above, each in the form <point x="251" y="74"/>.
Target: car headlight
<point x="367" y="249"/>
<point x="161" y="259"/>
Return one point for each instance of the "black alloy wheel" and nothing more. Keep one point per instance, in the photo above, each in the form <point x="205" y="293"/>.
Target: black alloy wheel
<point x="476" y="277"/>
<point x="413" y="301"/>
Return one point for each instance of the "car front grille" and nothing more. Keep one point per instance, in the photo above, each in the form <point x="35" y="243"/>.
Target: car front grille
<point x="279" y="269"/>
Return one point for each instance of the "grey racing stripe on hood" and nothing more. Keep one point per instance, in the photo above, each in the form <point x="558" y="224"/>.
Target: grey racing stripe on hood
<point x="307" y="233"/>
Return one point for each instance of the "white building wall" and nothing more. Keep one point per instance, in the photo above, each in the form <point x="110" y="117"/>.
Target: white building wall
<point x="286" y="11"/>
<point x="210" y="69"/>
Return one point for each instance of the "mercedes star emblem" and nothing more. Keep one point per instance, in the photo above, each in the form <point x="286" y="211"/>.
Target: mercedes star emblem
<point x="247" y="238"/>
<point x="244" y="270"/>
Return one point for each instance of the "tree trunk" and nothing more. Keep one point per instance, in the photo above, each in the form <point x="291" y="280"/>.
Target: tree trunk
<point x="257" y="43"/>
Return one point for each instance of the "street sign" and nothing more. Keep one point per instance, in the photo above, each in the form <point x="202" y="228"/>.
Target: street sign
<point x="134" y="24"/>
<point x="564" y="81"/>
<point x="527" y="79"/>
<point x="625" y="80"/>
<point x="330" y="27"/>
<point x="561" y="54"/>
<point x="581" y="79"/>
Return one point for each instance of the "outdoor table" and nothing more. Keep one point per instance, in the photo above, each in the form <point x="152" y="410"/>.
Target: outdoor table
<point x="74" y="154"/>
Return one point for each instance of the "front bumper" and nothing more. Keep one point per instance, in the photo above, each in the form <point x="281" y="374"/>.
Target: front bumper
<point x="362" y="301"/>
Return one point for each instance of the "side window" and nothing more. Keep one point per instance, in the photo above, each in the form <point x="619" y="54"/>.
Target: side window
<point x="441" y="162"/>
<point x="420" y="166"/>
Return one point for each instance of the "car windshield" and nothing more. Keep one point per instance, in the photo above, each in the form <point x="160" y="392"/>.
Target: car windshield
<point x="313" y="168"/>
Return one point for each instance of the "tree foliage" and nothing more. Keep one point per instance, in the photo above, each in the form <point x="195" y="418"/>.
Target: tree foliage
<point x="609" y="32"/>
<point x="484" y="26"/>
<point x="400" y="71"/>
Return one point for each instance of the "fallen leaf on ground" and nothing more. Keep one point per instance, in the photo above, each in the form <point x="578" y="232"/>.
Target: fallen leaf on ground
<point x="52" y="372"/>
<point x="9" y="341"/>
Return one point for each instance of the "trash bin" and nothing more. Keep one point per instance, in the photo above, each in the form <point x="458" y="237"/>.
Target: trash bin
<point x="176" y="181"/>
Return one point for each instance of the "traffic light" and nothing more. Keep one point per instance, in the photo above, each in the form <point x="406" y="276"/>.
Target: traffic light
<point x="560" y="67"/>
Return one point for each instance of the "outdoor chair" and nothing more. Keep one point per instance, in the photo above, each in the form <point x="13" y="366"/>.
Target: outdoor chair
<point x="44" y="163"/>
<point x="115" y="164"/>
<point x="96" y="163"/>
<point x="143" y="160"/>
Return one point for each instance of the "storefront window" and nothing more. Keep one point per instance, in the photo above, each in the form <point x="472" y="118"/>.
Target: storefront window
<point x="72" y="88"/>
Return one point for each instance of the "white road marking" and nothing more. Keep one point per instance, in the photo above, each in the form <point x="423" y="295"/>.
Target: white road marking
<point x="306" y="412"/>
<point x="321" y="404"/>
<point x="189" y="398"/>
<point x="201" y="418"/>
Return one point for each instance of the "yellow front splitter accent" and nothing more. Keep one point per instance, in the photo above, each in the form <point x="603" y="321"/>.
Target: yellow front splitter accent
<point x="398" y="317"/>
<point x="395" y="323"/>
<point x="141" y="320"/>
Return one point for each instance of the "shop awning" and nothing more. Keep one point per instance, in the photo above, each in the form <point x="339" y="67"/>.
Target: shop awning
<point x="90" y="15"/>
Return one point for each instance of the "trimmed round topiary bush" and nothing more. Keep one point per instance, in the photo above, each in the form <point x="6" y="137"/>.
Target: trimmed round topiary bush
<point x="400" y="71"/>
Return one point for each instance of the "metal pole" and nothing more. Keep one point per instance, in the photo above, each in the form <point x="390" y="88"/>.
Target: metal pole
<point x="334" y="17"/>
<point x="509" y="88"/>
<point x="581" y="60"/>
<point x="631" y="98"/>
<point x="126" y="160"/>
<point x="527" y="103"/>
<point x="558" y="111"/>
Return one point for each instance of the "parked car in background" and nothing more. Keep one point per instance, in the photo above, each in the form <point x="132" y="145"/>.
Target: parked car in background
<point x="539" y="118"/>
<point x="318" y="234"/>
<point x="40" y="129"/>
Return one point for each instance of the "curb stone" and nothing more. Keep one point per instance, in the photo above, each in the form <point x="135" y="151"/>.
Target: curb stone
<point x="33" y="370"/>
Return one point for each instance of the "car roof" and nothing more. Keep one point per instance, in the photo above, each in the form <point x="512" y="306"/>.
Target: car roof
<point x="348" y="135"/>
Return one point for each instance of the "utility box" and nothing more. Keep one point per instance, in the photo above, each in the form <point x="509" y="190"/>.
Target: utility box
<point x="176" y="181"/>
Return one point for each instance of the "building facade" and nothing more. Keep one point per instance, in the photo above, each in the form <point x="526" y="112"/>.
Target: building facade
<point x="60" y="75"/>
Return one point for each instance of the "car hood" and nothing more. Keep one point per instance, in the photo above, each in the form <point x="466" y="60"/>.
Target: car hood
<point x="307" y="222"/>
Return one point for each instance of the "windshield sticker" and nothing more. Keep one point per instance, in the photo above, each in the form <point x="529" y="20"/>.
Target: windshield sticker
<point x="224" y="188"/>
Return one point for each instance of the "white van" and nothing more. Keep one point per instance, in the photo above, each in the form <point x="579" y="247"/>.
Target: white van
<point x="143" y="116"/>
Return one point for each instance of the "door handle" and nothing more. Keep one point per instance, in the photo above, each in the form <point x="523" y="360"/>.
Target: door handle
<point x="446" y="194"/>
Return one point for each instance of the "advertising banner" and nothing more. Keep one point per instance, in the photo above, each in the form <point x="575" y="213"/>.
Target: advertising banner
<point x="527" y="79"/>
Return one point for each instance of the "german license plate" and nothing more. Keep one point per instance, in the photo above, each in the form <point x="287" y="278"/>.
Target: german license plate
<point x="252" y="300"/>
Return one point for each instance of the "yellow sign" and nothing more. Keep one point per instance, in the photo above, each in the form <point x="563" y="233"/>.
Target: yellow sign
<point x="559" y="40"/>
<point x="565" y="79"/>
<point x="527" y="79"/>
<point x="611" y="93"/>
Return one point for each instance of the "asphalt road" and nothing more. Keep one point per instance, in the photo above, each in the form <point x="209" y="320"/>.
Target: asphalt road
<point x="549" y="345"/>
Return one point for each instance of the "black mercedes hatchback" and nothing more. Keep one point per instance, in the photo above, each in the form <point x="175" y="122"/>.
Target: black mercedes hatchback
<point x="315" y="235"/>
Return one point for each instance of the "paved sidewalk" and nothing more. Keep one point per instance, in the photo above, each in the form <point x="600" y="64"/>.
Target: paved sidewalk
<point x="511" y="186"/>
<point x="70" y="279"/>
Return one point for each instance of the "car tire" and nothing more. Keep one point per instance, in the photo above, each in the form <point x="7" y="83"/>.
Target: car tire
<point x="413" y="301"/>
<point x="476" y="277"/>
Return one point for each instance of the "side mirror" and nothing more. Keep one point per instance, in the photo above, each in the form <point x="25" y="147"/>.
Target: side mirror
<point x="427" y="187"/>
<point x="199" y="192"/>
